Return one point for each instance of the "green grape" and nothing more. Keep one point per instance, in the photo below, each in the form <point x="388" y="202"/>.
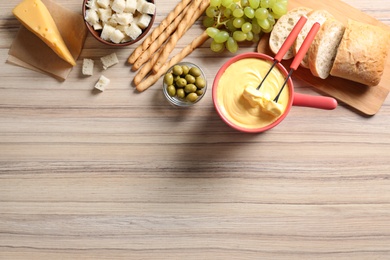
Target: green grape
<point x="226" y="3"/>
<point x="256" y="29"/>
<point x="238" y="22"/>
<point x="264" y="24"/>
<point x="246" y="27"/>
<point x="231" y="45"/>
<point x="249" y="12"/>
<point x="254" y="3"/>
<point x="208" y="22"/>
<point x="215" y="3"/>
<point x="279" y="9"/>
<point x="285" y="2"/>
<point x="212" y="32"/>
<point x="239" y="36"/>
<point x="271" y="19"/>
<point x="275" y="16"/>
<point x="261" y="14"/>
<point x="271" y="3"/>
<point x="249" y="36"/>
<point x="229" y="26"/>
<point x="221" y="37"/>
<point x="256" y="38"/>
<point x="227" y="13"/>
<point x="269" y="29"/>
<point x="238" y="13"/>
<point x="264" y="4"/>
<point x="244" y="3"/>
<point x="217" y="47"/>
<point x="211" y="11"/>
<point x="234" y="7"/>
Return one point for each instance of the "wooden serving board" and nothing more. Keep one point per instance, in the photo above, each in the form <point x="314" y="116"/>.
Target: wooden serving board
<point x="367" y="100"/>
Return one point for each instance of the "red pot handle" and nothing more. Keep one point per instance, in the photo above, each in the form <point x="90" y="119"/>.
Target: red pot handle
<point x="320" y="102"/>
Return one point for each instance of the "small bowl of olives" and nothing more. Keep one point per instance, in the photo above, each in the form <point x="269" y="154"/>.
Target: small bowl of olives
<point x="184" y="84"/>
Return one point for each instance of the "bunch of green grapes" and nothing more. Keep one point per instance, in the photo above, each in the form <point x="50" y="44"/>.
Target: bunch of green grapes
<point x="229" y="22"/>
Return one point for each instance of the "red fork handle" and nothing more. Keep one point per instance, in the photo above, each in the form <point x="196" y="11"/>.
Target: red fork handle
<point x="290" y="38"/>
<point x="305" y="46"/>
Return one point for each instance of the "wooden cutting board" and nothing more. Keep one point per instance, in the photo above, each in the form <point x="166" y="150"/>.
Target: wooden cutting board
<point x="367" y="100"/>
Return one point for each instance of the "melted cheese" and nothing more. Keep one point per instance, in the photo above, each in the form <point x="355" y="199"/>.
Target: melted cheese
<point x="34" y="15"/>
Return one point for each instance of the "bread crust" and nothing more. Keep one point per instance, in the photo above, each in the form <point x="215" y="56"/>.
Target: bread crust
<point x="362" y="53"/>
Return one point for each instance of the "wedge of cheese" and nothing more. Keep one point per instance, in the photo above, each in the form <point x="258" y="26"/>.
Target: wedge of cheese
<point x="34" y="15"/>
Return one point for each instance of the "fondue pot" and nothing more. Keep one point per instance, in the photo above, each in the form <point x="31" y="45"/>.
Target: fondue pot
<point x="295" y="99"/>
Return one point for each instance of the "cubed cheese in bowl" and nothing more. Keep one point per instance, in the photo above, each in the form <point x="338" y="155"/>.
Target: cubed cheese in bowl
<point x="119" y="22"/>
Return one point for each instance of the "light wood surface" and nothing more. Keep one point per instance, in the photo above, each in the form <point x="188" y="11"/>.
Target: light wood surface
<point x="123" y="175"/>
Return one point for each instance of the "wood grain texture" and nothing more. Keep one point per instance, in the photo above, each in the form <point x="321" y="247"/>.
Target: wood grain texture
<point x="124" y="175"/>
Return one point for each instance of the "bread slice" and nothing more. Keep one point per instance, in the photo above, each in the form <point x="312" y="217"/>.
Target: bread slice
<point x="319" y="16"/>
<point x="282" y="29"/>
<point x="323" y="50"/>
<point x="362" y="53"/>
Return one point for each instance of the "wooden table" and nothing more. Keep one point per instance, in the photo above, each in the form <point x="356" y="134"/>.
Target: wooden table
<point x="124" y="175"/>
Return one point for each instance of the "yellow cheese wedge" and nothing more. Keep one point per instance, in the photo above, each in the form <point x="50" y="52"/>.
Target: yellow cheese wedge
<point x="34" y="15"/>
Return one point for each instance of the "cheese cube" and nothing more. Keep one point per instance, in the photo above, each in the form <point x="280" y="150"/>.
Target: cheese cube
<point x="106" y="32"/>
<point x="91" y="16"/>
<point x="123" y="18"/>
<point x="92" y="4"/>
<point x="97" y="26"/>
<point x="140" y="4"/>
<point x="117" y="36"/>
<point x="131" y="6"/>
<point x="102" y="83"/>
<point x="133" y="31"/>
<point x="105" y="14"/>
<point x="87" y="68"/>
<point x="118" y="6"/>
<point x="144" y="21"/>
<point x="109" y="60"/>
<point x="126" y="39"/>
<point x="148" y="8"/>
<point x="103" y="3"/>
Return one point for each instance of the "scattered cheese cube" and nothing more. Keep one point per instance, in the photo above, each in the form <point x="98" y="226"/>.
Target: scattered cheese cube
<point x="87" y="68"/>
<point x="102" y="83"/>
<point x="148" y="8"/>
<point x="117" y="36"/>
<point x="118" y="6"/>
<point x="107" y="31"/>
<point x="103" y="3"/>
<point x="144" y="21"/>
<point x="109" y="60"/>
<point x="131" y="6"/>
<point x="133" y="31"/>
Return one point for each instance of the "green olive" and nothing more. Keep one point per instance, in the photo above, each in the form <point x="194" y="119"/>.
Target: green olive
<point x="194" y="71"/>
<point x="199" y="92"/>
<point x="171" y="90"/>
<point x="190" y="79"/>
<point x="180" y="93"/>
<point x="181" y="83"/>
<point x="200" y="82"/>
<point x="177" y="70"/>
<point x="192" y="97"/>
<point x="168" y="79"/>
<point x="186" y="69"/>
<point x="190" y="88"/>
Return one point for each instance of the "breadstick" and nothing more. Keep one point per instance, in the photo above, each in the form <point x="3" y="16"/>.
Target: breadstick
<point x="146" y="68"/>
<point x="152" y="79"/>
<point x="194" y="12"/>
<point x="145" y="56"/>
<point x="158" y="30"/>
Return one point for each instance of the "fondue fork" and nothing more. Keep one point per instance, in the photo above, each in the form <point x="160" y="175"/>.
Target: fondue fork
<point x="299" y="56"/>
<point x="286" y="45"/>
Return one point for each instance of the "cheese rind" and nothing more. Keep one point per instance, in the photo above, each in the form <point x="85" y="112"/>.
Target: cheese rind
<point x="34" y="15"/>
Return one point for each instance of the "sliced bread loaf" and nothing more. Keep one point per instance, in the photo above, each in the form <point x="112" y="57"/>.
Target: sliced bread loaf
<point x="362" y="53"/>
<point x="319" y="16"/>
<point x="282" y="29"/>
<point x="323" y="50"/>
